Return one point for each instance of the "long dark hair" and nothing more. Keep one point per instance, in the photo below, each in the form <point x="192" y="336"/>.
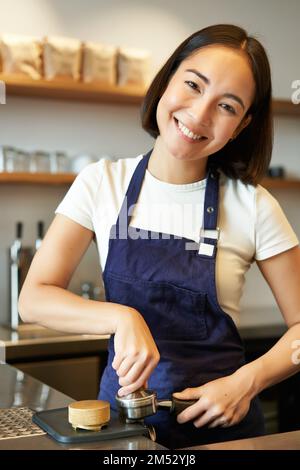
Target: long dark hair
<point x="247" y="157"/>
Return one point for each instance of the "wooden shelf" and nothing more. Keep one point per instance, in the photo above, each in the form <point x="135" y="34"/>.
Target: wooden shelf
<point x="71" y="90"/>
<point x="281" y="183"/>
<point x="96" y="93"/>
<point x="68" y="178"/>
<point x="285" y="107"/>
<point x="37" y="178"/>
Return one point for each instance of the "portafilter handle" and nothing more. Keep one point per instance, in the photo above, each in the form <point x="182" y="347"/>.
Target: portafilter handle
<point x="175" y="405"/>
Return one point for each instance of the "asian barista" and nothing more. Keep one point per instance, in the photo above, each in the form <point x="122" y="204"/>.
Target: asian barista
<point x="173" y="284"/>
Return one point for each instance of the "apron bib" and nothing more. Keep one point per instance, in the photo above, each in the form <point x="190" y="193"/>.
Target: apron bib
<point x="174" y="289"/>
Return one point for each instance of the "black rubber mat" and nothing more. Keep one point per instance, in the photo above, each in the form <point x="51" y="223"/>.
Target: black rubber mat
<point x="55" y="423"/>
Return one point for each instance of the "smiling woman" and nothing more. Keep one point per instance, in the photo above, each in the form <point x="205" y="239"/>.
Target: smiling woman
<point x="216" y="83"/>
<point x="173" y="284"/>
<point x="201" y="110"/>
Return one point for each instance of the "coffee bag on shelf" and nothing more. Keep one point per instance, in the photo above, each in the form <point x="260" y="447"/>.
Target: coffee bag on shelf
<point x="133" y="67"/>
<point x="62" y="58"/>
<point x="21" y="55"/>
<point x="99" y="63"/>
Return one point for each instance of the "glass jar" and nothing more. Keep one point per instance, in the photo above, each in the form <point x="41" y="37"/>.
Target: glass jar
<point x="2" y="159"/>
<point x="22" y="161"/>
<point x="9" y="154"/>
<point x="59" y="162"/>
<point x="40" y="162"/>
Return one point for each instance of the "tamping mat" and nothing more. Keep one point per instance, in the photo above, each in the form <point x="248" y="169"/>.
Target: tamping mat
<point x="55" y="423"/>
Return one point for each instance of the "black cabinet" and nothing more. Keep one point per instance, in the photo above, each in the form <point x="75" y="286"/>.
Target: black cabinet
<point x="76" y="377"/>
<point x="280" y="402"/>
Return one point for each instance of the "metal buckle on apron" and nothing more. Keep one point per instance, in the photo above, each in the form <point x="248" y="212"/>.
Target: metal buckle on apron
<point x="205" y="248"/>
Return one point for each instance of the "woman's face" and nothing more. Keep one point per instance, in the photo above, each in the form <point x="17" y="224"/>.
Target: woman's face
<point x="205" y="102"/>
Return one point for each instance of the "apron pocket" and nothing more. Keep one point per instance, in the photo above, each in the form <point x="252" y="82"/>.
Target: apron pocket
<point x="171" y="312"/>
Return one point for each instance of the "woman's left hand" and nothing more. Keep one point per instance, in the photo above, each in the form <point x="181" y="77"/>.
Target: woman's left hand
<point x="221" y="402"/>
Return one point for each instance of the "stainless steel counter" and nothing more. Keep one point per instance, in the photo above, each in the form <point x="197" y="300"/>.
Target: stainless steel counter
<point x="282" y="441"/>
<point x="70" y="363"/>
<point x="18" y="389"/>
<point x="35" y="341"/>
<point x="263" y="322"/>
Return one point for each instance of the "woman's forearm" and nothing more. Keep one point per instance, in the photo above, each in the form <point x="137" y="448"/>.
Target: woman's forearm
<point x="279" y="363"/>
<point x="59" y="309"/>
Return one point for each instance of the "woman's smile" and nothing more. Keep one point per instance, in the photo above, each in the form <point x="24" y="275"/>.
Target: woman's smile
<point x="187" y="134"/>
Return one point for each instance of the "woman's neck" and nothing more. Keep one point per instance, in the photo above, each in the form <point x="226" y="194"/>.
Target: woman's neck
<point x="165" y="167"/>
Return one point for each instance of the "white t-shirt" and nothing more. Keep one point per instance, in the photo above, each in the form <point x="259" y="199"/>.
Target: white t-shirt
<point x="252" y="224"/>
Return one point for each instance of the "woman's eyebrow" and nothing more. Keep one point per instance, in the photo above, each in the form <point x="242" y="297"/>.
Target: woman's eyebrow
<point x="207" y="81"/>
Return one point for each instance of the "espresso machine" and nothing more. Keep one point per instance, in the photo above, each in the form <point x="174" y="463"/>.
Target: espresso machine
<point x="20" y="258"/>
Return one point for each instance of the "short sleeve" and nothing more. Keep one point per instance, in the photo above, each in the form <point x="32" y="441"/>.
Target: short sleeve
<point x="273" y="233"/>
<point x="79" y="202"/>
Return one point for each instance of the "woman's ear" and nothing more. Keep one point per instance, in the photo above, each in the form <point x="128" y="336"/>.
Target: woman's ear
<point x="244" y="123"/>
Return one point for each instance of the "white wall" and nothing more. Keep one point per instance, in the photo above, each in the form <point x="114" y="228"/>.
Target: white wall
<point x="159" y="26"/>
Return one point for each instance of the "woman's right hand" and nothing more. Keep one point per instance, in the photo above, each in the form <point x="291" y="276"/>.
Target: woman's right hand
<point x="136" y="354"/>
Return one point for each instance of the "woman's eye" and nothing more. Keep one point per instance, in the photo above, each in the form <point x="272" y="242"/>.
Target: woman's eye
<point x="192" y="84"/>
<point x="228" y="108"/>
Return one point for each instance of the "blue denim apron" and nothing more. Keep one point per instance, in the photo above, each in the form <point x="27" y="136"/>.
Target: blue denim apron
<point x="171" y="282"/>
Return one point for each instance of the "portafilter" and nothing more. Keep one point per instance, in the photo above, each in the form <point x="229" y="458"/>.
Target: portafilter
<point x="142" y="403"/>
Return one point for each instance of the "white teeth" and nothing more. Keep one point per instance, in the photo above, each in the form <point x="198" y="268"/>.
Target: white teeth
<point x="187" y="132"/>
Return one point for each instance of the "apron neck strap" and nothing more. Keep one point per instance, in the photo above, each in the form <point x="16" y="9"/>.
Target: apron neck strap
<point x="132" y="193"/>
<point x="211" y="200"/>
<point x="209" y="235"/>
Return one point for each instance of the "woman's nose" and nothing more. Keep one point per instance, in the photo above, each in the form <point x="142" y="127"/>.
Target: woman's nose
<point x="201" y="113"/>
